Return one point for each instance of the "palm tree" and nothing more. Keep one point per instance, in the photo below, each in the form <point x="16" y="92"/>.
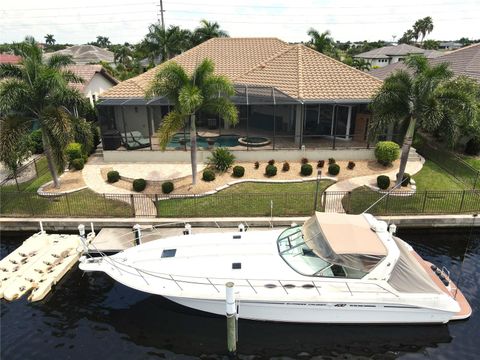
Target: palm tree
<point x="102" y="41"/>
<point x="202" y="91"/>
<point x="167" y="43"/>
<point x="426" y="27"/>
<point x="207" y="30"/>
<point x="421" y="97"/>
<point x="322" y="42"/>
<point x="34" y="90"/>
<point x="49" y="40"/>
<point x="407" y="37"/>
<point x="123" y="55"/>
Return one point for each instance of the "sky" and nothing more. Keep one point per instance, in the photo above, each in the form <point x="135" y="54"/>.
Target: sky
<point x="77" y="22"/>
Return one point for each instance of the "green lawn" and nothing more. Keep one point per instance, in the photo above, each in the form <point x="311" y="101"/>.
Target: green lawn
<point x="473" y="161"/>
<point x="34" y="184"/>
<point x="248" y="199"/>
<point x="433" y="177"/>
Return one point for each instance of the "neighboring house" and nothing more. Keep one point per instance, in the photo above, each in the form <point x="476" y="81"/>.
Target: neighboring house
<point x="464" y="61"/>
<point x="449" y="45"/>
<point x="9" y="59"/>
<point x="392" y="54"/>
<point x="295" y="98"/>
<point x="96" y="80"/>
<point x="85" y="54"/>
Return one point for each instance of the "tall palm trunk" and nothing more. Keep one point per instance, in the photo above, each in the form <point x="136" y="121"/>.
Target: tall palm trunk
<point x="193" y="148"/>
<point x="51" y="164"/>
<point x="407" y="143"/>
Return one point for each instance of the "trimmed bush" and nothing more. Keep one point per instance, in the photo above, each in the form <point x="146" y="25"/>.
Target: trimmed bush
<point x="238" y="171"/>
<point x="113" y="176"/>
<point x="386" y="152"/>
<point x="271" y="162"/>
<point x="96" y="135"/>
<point x="351" y="165"/>
<point x="271" y="170"/>
<point x="306" y="170"/>
<point x="405" y="179"/>
<point x="78" y="164"/>
<point x="36" y="141"/>
<point x="333" y="169"/>
<point x="383" y="182"/>
<point x="139" y="184"/>
<point x="167" y="187"/>
<point x="208" y="175"/>
<point x="473" y="146"/>
<point x="256" y="165"/>
<point x="73" y="151"/>
<point x="285" y="166"/>
<point x="221" y="159"/>
<point x="320" y="164"/>
<point x="304" y="161"/>
<point x="331" y="161"/>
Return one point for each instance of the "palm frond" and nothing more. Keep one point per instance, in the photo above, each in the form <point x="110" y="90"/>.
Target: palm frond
<point x="14" y="141"/>
<point x="56" y="124"/>
<point x="58" y="61"/>
<point x="168" y="81"/>
<point x="14" y="96"/>
<point x="217" y="85"/>
<point x="223" y="107"/>
<point x="172" y="123"/>
<point x="190" y="99"/>
<point x="10" y="71"/>
<point x="71" y="77"/>
<point x="202" y="72"/>
<point x="417" y="63"/>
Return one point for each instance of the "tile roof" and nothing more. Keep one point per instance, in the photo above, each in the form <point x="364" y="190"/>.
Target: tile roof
<point x="87" y="72"/>
<point x="297" y="70"/>
<point x="9" y="59"/>
<point x="464" y="61"/>
<point x="397" y="50"/>
<point x="85" y="54"/>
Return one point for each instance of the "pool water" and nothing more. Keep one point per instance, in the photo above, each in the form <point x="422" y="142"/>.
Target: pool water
<point x="222" y="140"/>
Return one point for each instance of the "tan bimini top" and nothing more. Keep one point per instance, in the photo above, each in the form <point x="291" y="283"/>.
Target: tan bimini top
<point x="346" y="240"/>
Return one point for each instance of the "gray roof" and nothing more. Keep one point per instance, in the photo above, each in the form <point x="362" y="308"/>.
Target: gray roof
<point x="464" y="61"/>
<point x="396" y="50"/>
<point x="85" y="54"/>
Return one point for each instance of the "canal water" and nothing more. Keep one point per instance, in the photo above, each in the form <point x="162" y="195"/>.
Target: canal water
<point x="90" y="316"/>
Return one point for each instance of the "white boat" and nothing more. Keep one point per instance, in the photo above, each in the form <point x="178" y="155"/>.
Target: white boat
<point x="335" y="268"/>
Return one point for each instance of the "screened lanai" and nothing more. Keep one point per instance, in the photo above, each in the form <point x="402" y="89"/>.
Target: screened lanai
<point x="268" y="119"/>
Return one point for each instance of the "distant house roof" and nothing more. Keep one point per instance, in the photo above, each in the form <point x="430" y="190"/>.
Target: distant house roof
<point x="296" y="70"/>
<point x="397" y="50"/>
<point x="9" y="59"/>
<point x="85" y="54"/>
<point x="464" y="61"/>
<point x="87" y="72"/>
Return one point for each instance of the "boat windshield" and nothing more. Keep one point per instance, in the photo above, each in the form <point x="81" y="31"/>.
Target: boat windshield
<point x="301" y="258"/>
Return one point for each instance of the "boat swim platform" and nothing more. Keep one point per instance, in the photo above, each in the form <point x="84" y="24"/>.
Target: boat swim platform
<point x="111" y="240"/>
<point x="38" y="264"/>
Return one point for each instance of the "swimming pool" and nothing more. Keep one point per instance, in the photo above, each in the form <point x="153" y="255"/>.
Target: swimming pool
<point x="222" y="140"/>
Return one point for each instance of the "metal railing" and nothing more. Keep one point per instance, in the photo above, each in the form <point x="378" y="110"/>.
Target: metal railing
<point x="26" y="173"/>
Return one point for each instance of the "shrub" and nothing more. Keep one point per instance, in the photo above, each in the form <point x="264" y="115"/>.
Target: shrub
<point x="139" y="185"/>
<point x="73" y="151"/>
<point x="320" y="163"/>
<point x="285" y="166"/>
<point x="271" y="162"/>
<point x="221" y="159"/>
<point x="405" y="179"/>
<point x="383" y="182"/>
<point x="96" y="135"/>
<point x="473" y="146"/>
<point x="167" y="187"/>
<point x="271" y="170"/>
<point x="304" y="161"/>
<point x="238" y="171"/>
<point x="208" y="175"/>
<point x="306" y="170"/>
<point x="386" y="152"/>
<point x="333" y="169"/>
<point x="78" y="164"/>
<point x="36" y="141"/>
<point x="351" y="165"/>
<point x="331" y="161"/>
<point x="256" y="165"/>
<point x="113" y="176"/>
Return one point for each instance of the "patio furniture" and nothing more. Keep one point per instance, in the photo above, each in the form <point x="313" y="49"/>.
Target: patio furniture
<point x="111" y="140"/>
<point x="133" y="140"/>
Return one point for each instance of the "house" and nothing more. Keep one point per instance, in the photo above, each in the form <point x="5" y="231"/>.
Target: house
<point x="291" y="98"/>
<point x="392" y="54"/>
<point x="449" y="45"/>
<point x="96" y="80"/>
<point x="9" y="59"/>
<point x="464" y="61"/>
<point x="85" y="54"/>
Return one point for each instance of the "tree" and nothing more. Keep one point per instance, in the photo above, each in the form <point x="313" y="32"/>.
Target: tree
<point x="423" y="99"/>
<point x="361" y="64"/>
<point x="15" y="144"/>
<point x="123" y="55"/>
<point x="49" y="40"/>
<point x="167" y="43"/>
<point x="322" y="42"/>
<point x="431" y="44"/>
<point x="407" y="37"/>
<point x="202" y="91"/>
<point x="37" y="90"/>
<point x="102" y="41"/>
<point x="424" y="26"/>
<point x="207" y="30"/>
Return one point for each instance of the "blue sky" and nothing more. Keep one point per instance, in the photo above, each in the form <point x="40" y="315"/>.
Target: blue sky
<point x="127" y="20"/>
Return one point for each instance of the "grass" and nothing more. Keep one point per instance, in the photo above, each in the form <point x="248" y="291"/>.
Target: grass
<point x="473" y="161"/>
<point x="433" y="177"/>
<point x="248" y="199"/>
<point x="33" y="184"/>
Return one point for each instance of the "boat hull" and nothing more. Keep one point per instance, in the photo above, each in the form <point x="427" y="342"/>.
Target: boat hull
<point x="334" y="313"/>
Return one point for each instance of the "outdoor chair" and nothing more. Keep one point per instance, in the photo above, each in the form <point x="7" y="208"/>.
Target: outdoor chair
<point x="135" y="140"/>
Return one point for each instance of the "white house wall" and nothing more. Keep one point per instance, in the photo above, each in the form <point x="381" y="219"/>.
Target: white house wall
<point x="135" y="119"/>
<point x="96" y="86"/>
